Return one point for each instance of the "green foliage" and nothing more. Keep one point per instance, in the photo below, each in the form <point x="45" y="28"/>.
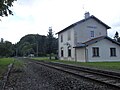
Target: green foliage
<point x="51" y="43"/>
<point x="5" y="7"/>
<point x="33" y="44"/>
<point x="119" y="39"/>
<point x="116" y="37"/>
<point x="6" y="49"/>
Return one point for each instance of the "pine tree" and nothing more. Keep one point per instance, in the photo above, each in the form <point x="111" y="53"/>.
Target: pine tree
<point x="2" y="40"/>
<point x="116" y="37"/>
<point x="50" y="41"/>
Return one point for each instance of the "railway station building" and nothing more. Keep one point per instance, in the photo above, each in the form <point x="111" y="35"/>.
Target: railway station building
<point x="87" y="41"/>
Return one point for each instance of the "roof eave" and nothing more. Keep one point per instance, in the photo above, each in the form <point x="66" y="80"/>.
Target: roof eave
<point x="79" y="47"/>
<point x="66" y="28"/>
<point x="108" y="27"/>
<point x="92" y="16"/>
<point x="113" y="40"/>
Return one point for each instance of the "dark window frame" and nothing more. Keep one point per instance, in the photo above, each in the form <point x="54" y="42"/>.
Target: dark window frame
<point x="113" y="52"/>
<point x="69" y="52"/>
<point x="92" y="33"/>
<point x="62" y="52"/>
<point x="95" y="51"/>
<point x="61" y="38"/>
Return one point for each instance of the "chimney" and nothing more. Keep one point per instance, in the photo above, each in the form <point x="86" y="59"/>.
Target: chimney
<point x="87" y="15"/>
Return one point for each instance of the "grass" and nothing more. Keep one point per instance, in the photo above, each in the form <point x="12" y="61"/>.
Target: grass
<point x="18" y="64"/>
<point x="4" y="62"/>
<point x="115" y="66"/>
<point x="40" y="58"/>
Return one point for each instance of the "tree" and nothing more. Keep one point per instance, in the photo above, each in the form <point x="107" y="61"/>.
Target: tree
<point x="6" y="49"/>
<point x="9" y="48"/>
<point x="2" y="40"/>
<point x="5" y="7"/>
<point x="27" y="49"/>
<point x="35" y="44"/>
<point x="116" y="37"/>
<point x="119" y="39"/>
<point x="50" y="42"/>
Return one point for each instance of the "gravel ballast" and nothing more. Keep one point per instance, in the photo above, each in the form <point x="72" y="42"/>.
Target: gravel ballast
<point x="37" y="77"/>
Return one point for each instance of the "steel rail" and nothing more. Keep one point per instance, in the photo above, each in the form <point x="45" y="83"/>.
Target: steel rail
<point x="74" y="70"/>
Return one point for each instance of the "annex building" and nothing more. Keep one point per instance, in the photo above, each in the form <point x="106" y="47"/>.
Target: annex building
<point x="87" y="41"/>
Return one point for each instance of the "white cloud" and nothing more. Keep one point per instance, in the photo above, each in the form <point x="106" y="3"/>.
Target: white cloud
<point x="36" y="16"/>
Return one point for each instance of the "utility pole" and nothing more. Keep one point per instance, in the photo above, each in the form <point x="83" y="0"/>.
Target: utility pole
<point x="37" y="45"/>
<point x="37" y="48"/>
<point x="16" y="52"/>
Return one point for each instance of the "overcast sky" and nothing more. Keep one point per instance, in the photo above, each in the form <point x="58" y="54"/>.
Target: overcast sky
<point x="36" y="16"/>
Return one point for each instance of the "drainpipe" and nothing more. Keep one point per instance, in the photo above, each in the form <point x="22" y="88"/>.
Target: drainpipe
<point x="75" y="56"/>
<point x="86" y="54"/>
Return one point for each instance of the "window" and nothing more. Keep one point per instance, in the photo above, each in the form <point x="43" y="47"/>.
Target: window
<point x="61" y="38"/>
<point x="112" y="51"/>
<point x="62" y="52"/>
<point x="95" y="52"/>
<point x="69" y="52"/>
<point x="69" y="35"/>
<point x="92" y="33"/>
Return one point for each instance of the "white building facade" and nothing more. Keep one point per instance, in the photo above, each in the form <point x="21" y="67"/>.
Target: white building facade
<point x="87" y="41"/>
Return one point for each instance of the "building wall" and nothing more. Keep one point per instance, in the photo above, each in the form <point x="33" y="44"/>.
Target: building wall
<point x="104" y="51"/>
<point x="82" y="33"/>
<point x="65" y="46"/>
<point x="83" y="30"/>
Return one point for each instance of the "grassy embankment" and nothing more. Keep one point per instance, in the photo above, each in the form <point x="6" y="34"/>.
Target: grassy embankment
<point x="115" y="66"/>
<point x="4" y="62"/>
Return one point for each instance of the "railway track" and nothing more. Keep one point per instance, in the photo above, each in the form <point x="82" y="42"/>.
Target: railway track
<point x="103" y="77"/>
